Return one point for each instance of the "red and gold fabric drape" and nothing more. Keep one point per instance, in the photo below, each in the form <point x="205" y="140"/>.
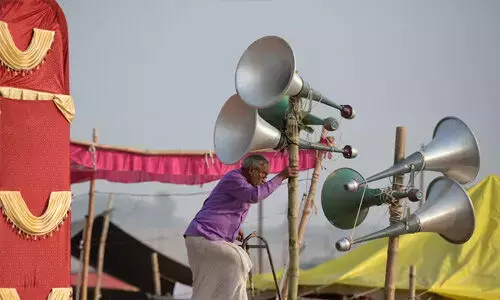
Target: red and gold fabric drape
<point x="36" y="109"/>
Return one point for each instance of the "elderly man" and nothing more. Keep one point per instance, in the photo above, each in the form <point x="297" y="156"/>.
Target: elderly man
<point x="220" y="268"/>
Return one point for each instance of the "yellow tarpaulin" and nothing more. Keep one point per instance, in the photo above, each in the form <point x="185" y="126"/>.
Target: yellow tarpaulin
<point x="468" y="271"/>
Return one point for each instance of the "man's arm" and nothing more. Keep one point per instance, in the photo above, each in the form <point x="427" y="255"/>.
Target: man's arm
<point x="243" y="190"/>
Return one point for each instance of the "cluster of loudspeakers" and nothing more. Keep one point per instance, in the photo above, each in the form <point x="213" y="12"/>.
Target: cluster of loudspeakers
<point x="448" y="210"/>
<point x="254" y="117"/>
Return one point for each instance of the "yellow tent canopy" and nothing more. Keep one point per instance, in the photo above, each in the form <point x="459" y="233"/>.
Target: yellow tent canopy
<point x="460" y="272"/>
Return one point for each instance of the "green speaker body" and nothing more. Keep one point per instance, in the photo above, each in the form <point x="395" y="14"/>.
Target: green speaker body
<point x="275" y="115"/>
<point x="341" y="207"/>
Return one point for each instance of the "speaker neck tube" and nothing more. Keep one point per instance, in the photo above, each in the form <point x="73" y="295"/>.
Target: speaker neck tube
<point x="411" y="225"/>
<point x="417" y="160"/>
<point x="303" y="144"/>
<point x="308" y="93"/>
<point x="382" y="197"/>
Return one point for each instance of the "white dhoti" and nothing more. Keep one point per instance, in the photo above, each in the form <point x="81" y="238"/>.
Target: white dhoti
<point x="220" y="269"/>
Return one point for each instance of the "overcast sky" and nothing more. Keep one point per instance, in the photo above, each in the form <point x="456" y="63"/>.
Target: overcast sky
<point x="154" y="74"/>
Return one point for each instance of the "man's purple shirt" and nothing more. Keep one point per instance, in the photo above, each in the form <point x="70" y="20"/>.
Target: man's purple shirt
<point x="227" y="206"/>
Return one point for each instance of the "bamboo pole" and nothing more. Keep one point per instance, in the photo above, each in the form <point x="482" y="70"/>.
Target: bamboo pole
<point x="412" y="285"/>
<point x="395" y="212"/>
<point x="156" y="273"/>
<point x="88" y="229"/>
<point x="293" y="195"/>
<point x="102" y="248"/>
<point x="307" y="209"/>
<point x="79" y="286"/>
<point x="155" y="152"/>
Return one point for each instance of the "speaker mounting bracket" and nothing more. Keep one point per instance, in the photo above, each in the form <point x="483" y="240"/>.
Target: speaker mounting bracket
<point x="411" y="184"/>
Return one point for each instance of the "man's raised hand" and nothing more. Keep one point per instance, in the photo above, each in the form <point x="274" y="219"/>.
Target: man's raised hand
<point x="289" y="172"/>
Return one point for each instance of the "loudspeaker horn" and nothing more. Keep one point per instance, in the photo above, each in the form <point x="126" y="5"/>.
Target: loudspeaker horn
<point x="239" y="129"/>
<point x="341" y="207"/>
<point x="453" y="151"/>
<point x="266" y="72"/>
<point x="448" y="211"/>
<point x="276" y="114"/>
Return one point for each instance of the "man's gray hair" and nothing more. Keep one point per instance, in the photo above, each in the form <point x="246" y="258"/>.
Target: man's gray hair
<point x="254" y="160"/>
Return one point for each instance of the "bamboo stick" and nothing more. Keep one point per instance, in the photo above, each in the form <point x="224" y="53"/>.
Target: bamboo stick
<point x="155" y="152"/>
<point x="79" y="286"/>
<point x="307" y="209"/>
<point x="88" y="230"/>
<point x="156" y="273"/>
<point x="412" y="283"/>
<point x="293" y="195"/>
<point x="395" y="212"/>
<point x="102" y="248"/>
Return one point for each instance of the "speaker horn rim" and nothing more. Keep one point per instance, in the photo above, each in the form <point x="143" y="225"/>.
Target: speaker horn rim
<point x="254" y="116"/>
<point x="471" y="132"/>
<point x="467" y="237"/>
<point x="246" y="95"/>
<point x="363" y="213"/>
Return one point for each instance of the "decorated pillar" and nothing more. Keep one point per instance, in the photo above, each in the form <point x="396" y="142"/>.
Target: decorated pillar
<point x="36" y="111"/>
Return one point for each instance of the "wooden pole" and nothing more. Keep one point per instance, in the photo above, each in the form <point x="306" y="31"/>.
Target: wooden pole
<point x="412" y="285"/>
<point x="307" y="209"/>
<point x="158" y="152"/>
<point x="79" y="286"/>
<point x="395" y="212"/>
<point x="293" y="116"/>
<point x="260" y="231"/>
<point x="102" y="248"/>
<point x="156" y="273"/>
<point x="88" y="229"/>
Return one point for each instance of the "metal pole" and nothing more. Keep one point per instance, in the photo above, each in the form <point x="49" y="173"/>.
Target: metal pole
<point x="88" y="230"/>
<point x="395" y="212"/>
<point x="293" y="196"/>
<point x="260" y="231"/>
<point x="422" y="183"/>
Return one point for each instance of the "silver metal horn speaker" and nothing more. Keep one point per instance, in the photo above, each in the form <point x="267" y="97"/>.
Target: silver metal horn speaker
<point x="266" y="72"/>
<point x="453" y="151"/>
<point x="239" y="129"/>
<point x="447" y="211"/>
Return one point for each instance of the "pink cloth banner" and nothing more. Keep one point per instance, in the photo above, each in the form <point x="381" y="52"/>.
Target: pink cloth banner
<point x="116" y="165"/>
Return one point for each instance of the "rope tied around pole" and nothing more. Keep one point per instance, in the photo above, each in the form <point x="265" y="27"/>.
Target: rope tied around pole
<point x="395" y="210"/>
<point x="93" y="153"/>
<point x="209" y="156"/>
<point x="293" y="117"/>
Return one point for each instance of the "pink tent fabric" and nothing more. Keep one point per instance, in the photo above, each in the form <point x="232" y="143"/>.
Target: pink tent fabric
<point x="132" y="166"/>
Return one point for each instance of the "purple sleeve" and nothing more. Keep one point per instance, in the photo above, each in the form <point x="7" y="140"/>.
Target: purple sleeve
<point x="243" y="190"/>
